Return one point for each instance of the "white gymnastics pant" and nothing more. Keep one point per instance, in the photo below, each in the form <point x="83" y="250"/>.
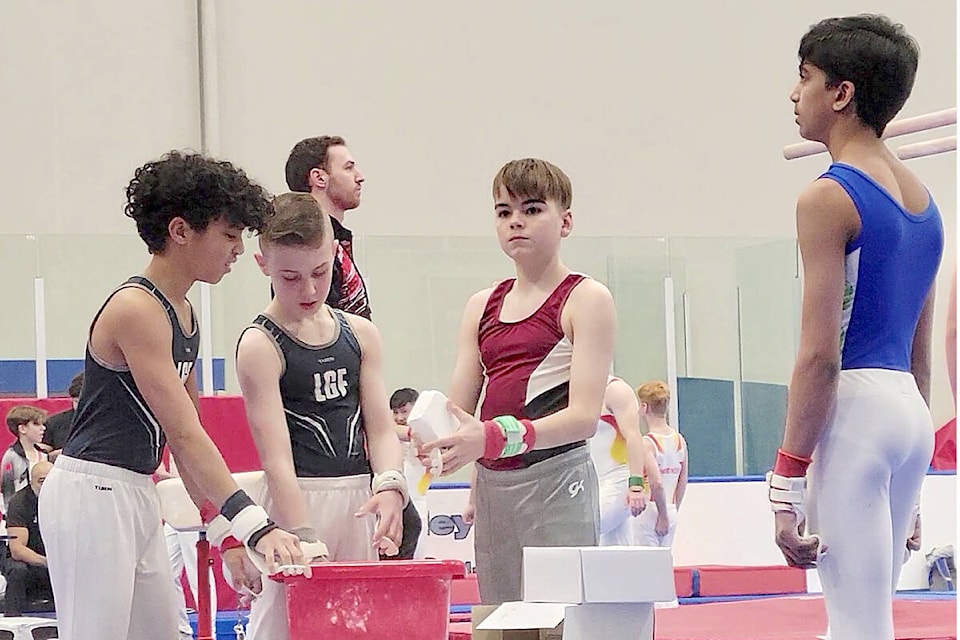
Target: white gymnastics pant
<point x="865" y="479"/>
<point x="647" y="526"/>
<point x="617" y="525"/>
<point x="105" y="549"/>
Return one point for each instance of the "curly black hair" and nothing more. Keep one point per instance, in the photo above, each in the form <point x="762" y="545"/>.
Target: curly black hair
<point x="196" y="188"/>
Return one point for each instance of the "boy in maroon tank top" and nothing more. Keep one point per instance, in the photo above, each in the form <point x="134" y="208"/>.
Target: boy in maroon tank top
<point x="533" y="356"/>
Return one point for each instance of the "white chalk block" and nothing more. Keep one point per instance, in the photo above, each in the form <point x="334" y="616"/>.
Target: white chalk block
<point x="429" y="418"/>
<point x="599" y="575"/>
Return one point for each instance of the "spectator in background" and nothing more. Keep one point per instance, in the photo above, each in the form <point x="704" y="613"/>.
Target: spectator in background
<point x="418" y="480"/>
<point x="26" y="423"/>
<point x="58" y="425"/>
<point x="28" y="579"/>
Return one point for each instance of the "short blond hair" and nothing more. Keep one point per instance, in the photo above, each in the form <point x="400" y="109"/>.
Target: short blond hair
<point x="534" y="178"/>
<point x="656" y="395"/>
<point x="295" y="221"/>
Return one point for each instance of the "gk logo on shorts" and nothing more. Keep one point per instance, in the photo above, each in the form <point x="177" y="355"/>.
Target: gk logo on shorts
<point x="575" y="488"/>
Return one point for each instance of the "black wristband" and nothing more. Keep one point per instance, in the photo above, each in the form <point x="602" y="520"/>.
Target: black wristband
<point x="235" y="504"/>
<point x="259" y="533"/>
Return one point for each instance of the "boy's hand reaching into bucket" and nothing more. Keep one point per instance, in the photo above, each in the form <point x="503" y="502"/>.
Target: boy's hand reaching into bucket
<point x="240" y="571"/>
<point x="387" y="506"/>
<point x="281" y="548"/>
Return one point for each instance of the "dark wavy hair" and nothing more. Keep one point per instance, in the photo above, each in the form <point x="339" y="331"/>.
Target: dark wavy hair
<point x="196" y="188"/>
<point x="310" y="153"/>
<point x="76" y="386"/>
<point x="403" y="396"/>
<point x="877" y="55"/>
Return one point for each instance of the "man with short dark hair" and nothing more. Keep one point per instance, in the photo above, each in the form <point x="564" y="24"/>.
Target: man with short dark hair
<point x="324" y="167"/>
<point x="26" y="569"/>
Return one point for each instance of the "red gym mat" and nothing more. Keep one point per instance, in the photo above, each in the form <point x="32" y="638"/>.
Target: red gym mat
<point x="723" y="580"/>
<point x="795" y="618"/>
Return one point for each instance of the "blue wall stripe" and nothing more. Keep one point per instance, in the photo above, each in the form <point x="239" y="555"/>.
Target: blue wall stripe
<point x="18" y="377"/>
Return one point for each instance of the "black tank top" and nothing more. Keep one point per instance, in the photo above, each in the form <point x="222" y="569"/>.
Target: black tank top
<point x="320" y="388"/>
<point x="113" y="424"/>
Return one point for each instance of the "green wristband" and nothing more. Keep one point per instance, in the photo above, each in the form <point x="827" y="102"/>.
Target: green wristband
<point x="513" y="431"/>
<point x="636" y="481"/>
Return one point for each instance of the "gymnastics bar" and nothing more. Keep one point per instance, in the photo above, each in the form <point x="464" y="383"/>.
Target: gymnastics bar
<point x="927" y="148"/>
<point x="899" y="127"/>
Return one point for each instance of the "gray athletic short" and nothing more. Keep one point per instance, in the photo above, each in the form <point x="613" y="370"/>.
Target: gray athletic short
<point x="554" y="503"/>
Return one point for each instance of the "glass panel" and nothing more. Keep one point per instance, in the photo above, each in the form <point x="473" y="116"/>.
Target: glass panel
<point x="768" y="286"/>
<point x="79" y="272"/>
<point x="636" y="269"/>
<point x="736" y="316"/>
<point x="418" y="288"/>
<point x="707" y="392"/>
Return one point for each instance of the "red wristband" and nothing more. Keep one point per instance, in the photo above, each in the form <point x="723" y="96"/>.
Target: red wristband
<point x="790" y="465"/>
<point x="494" y="440"/>
<point x="530" y="435"/>
<point x="208" y="512"/>
<point x="230" y="543"/>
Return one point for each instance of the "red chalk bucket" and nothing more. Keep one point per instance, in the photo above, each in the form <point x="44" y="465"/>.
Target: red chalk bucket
<point x="389" y="600"/>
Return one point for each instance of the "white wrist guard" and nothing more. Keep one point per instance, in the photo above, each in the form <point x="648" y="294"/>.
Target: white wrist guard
<point x="217" y="530"/>
<point x="249" y="521"/>
<point x="311" y="551"/>
<point x="787" y="494"/>
<point x="391" y="480"/>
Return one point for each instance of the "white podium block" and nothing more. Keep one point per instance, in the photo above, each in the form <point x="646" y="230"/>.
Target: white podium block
<point x="598" y="593"/>
<point x="601" y="575"/>
<point x="627" y="574"/>
<point x="590" y="621"/>
<point x="552" y="574"/>
<point x="178" y="510"/>
<point x="633" y="621"/>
